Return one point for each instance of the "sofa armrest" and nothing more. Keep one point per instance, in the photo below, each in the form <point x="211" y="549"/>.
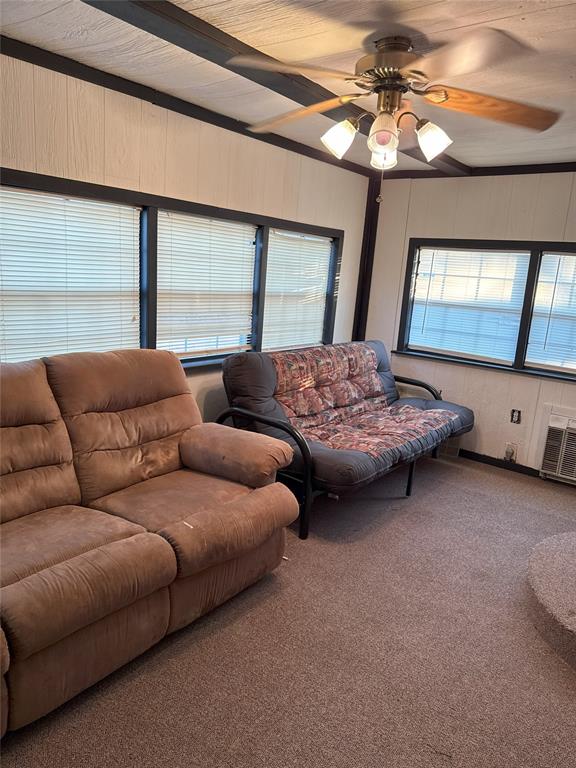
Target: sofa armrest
<point x="436" y="393"/>
<point x="244" y="457"/>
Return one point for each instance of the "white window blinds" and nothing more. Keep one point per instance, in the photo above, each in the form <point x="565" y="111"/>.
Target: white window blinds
<point x="69" y="275"/>
<point x="296" y="284"/>
<point x="205" y="284"/>
<point x="468" y="302"/>
<point x="552" y="340"/>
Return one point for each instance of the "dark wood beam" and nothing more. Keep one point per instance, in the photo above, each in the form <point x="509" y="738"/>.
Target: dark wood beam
<point x="496" y="170"/>
<point x="446" y="165"/>
<point x="176" y="26"/>
<point x="57" y="63"/>
<point x="511" y="170"/>
<point x="366" y="260"/>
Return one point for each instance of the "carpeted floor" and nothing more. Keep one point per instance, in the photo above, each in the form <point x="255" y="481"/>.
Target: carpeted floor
<point x="397" y="636"/>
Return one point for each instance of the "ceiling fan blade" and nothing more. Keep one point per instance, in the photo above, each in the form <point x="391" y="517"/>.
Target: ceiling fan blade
<point x="491" y="107"/>
<point x="475" y="50"/>
<point x="272" y="65"/>
<point x="296" y="114"/>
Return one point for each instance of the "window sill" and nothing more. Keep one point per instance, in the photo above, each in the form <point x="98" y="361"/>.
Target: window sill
<point x="438" y="358"/>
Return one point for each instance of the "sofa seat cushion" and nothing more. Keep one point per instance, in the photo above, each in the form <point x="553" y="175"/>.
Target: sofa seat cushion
<point x="157" y="502"/>
<point x="342" y="470"/>
<point x="373" y="441"/>
<point x="207" y="520"/>
<point x="67" y="567"/>
<point x="463" y="422"/>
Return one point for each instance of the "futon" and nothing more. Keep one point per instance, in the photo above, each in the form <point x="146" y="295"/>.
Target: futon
<point x="342" y="401"/>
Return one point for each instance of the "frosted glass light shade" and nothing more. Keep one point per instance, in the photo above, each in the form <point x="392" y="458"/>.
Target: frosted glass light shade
<point x="432" y="139"/>
<point x="338" y="139"/>
<point x="383" y="161"/>
<point x="383" y="134"/>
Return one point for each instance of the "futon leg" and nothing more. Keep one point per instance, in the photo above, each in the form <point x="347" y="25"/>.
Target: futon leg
<point x="410" y="478"/>
<point x="435" y="453"/>
<point x="305" y="507"/>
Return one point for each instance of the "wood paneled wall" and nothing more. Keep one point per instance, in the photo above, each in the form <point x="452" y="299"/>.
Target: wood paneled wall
<point x="530" y="207"/>
<point x="60" y="126"/>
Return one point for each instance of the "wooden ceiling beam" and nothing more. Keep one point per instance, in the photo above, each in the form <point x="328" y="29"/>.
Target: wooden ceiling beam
<point x="176" y="26"/>
<point x="58" y="63"/>
<point x="447" y="165"/>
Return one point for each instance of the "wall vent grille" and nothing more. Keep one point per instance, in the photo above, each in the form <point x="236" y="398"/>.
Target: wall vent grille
<point x="559" y="458"/>
<point x="568" y="463"/>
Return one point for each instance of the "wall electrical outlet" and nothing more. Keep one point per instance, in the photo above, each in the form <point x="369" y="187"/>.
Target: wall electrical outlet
<point x="511" y="452"/>
<point x="515" y="416"/>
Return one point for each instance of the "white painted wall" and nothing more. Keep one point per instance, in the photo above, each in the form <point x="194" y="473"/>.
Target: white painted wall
<point x="60" y="126"/>
<point x="523" y="207"/>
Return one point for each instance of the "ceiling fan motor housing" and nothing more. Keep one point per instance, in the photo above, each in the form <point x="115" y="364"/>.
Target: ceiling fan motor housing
<point x="390" y="99"/>
<point x="382" y="70"/>
<point x="392" y="54"/>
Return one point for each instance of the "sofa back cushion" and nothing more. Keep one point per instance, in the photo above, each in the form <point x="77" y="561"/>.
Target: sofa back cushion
<point x="36" y="469"/>
<point x="125" y="412"/>
<point x="321" y="379"/>
<point x="310" y="386"/>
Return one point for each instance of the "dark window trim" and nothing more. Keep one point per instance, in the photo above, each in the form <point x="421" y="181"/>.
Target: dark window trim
<point x="519" y="365"/>
<point x="148" y="276"/>
<point x="150" y="205"/>
<point x="57" y="185"/>
<point x="262" y="238"/>
<point x="332" y="289"/>
<point x="453" y="360"/>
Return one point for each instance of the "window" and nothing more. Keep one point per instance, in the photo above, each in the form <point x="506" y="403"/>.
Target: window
<point x="552" y="340"/>
<point x="205" y="284"/>
<point x="81" y="274"/>
<point x="69" y="275"/>
<point x="297" y="286"/>
<point x="468" y="302"/>
<point x="507" y="304"/>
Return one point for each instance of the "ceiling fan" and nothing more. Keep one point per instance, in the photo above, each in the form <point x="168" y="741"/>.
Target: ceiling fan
<point x="395" y="70"/>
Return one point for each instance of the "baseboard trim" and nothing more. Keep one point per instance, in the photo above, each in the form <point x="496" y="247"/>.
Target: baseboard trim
<point x="510" y="465"/>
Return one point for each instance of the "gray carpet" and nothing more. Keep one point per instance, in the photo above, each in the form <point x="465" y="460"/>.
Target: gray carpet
<point x="552" y="577"/>
<point x="397" y="636"/>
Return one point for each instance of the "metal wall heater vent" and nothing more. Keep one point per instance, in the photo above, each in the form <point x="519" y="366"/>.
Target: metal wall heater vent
<point x="559" y="458"/>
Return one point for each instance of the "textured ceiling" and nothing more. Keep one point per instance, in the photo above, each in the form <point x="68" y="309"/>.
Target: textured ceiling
<point x="334" y="33"/>
<point x="82" y="33"/>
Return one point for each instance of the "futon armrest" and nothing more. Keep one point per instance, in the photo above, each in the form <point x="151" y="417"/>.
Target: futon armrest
<point x="436" y="393"/>
<point x="244" y="457"/>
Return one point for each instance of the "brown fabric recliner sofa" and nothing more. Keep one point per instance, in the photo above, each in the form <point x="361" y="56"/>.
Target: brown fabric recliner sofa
<point x="124" y="518"/>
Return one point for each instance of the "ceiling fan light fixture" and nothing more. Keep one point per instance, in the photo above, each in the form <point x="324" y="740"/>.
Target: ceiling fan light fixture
<point x="339" y="138"/>
<point x="383" y="161"/>
<point x="383" y="134"/>
<point x="432" y="139"/>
